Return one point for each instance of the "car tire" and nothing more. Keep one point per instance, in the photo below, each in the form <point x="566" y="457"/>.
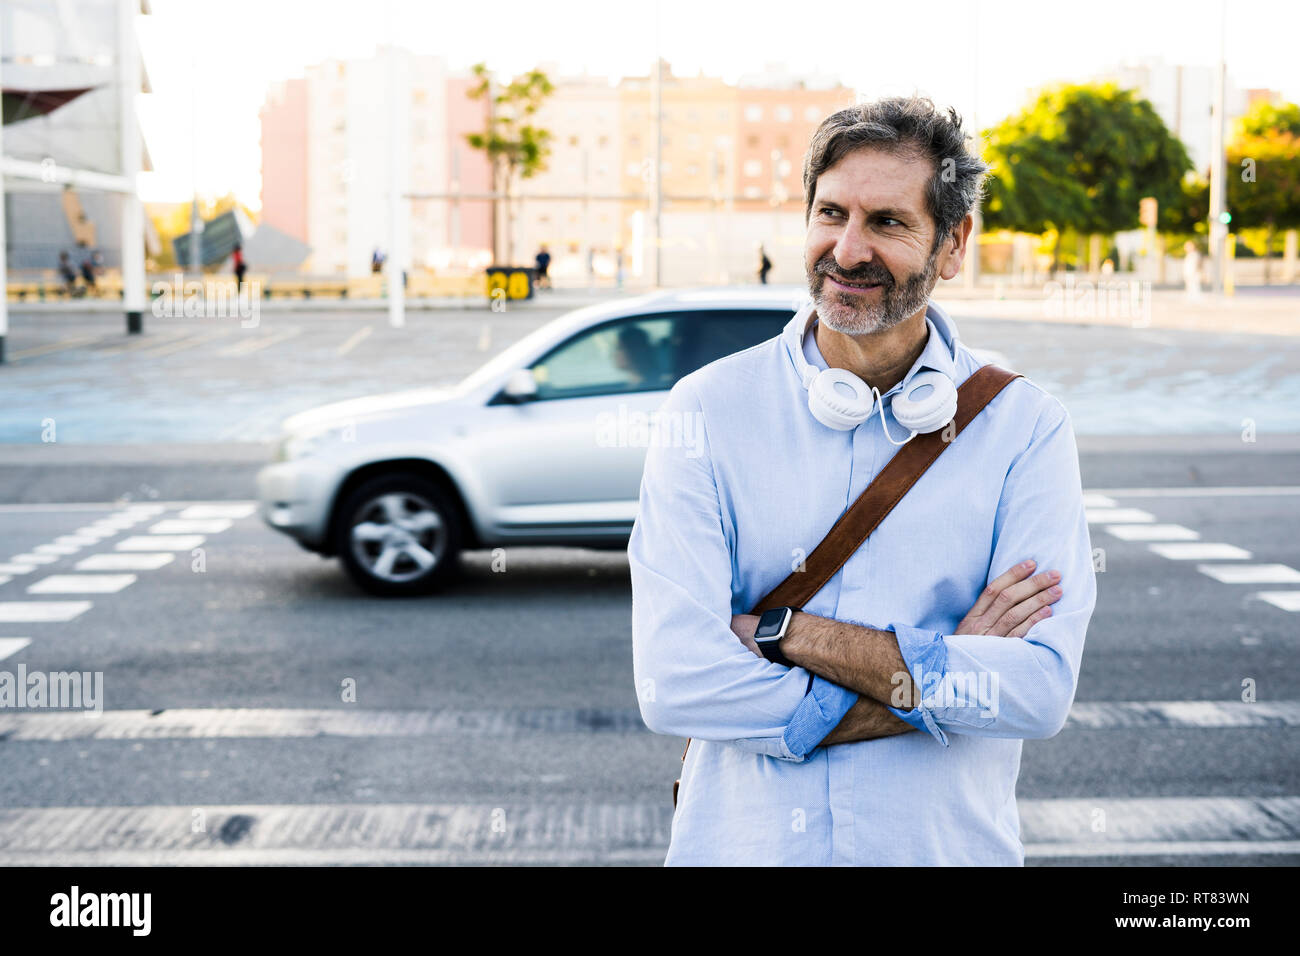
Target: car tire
<point x="399" y="535"/>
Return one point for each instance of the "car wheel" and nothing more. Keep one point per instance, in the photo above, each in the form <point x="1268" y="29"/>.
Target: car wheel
<point x="399" y="535"/>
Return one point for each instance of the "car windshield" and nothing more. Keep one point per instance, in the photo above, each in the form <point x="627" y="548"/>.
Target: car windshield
<point x="517" y="355"/>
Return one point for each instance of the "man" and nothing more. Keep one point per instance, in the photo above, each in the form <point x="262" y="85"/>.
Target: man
<point x="543" y="262"/>
<point x="895" y="736"/>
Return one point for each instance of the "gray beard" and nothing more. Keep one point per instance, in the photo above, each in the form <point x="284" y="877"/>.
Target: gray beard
<point x="837" y="310"/>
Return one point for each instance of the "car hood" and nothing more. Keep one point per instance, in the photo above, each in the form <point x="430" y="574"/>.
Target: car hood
<point x="368" y="407"/>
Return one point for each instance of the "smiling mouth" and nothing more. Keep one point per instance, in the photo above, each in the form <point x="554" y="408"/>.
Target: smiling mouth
<point x="853" y="286"/>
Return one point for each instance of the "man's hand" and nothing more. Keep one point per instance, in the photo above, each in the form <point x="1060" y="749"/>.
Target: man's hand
<point x="1012" y="603"/>
<point x="744" y="626"/>
<point x="1008" y="607"/>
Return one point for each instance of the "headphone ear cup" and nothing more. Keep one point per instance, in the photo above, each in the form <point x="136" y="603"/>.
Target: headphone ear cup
<point x="834" y="406"/>
<point x="928" y="403"/>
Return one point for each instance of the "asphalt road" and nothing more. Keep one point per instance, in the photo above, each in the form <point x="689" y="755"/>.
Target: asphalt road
<point x="258" y="708"/>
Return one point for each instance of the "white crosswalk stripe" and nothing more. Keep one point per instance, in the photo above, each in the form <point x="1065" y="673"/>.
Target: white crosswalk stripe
<point x="81" y="584"/>
<point x="575" y="831"/>
<point x="30" y="612"/>
<point x="10" y="646"/>
<point x="1251" y="573"/>
<point x="161" y="542"/>
<point x="1286" y="600"/>
<point x="125" y="561"/>
<point x="1200" y="551"/>
<point x="1152" y="532"/>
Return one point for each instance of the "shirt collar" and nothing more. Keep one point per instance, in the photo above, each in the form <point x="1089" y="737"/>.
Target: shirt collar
<point x="939" y="353"/>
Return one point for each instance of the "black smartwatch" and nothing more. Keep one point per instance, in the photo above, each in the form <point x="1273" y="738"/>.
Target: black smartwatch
<point x="771" y="628"/>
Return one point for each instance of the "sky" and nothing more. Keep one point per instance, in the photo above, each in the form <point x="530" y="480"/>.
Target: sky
<point x="210" y="62"/>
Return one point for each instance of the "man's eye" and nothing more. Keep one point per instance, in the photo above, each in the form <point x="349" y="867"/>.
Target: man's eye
<point x="830" y="212"/>
<point x="886" y="221"/>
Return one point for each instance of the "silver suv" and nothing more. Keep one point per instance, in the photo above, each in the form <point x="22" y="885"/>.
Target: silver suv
<point x="543" y="445"/>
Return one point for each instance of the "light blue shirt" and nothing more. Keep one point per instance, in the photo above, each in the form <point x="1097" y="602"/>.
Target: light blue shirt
<point x="726" y="515"/>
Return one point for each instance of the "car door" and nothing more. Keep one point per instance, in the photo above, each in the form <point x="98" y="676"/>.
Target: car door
<point x="567" y="464"/>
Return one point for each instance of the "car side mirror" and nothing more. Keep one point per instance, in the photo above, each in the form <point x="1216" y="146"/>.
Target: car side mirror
<point x="521" y="386"/>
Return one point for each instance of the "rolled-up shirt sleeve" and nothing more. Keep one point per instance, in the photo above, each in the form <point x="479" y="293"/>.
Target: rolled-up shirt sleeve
<point x="693" y="676"/>
<point x="1004" y="686"/>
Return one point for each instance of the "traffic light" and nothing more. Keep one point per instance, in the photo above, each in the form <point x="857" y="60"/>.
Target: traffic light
<point x="1225" y="217"/>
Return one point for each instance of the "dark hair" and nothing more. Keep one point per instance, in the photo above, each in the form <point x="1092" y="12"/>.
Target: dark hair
<point x="903" y="124"/>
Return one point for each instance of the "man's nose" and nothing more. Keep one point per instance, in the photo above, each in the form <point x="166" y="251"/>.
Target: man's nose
<point x="852" y="249"/>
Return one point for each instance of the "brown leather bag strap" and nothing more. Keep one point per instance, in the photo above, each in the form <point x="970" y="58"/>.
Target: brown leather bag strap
<point x="878" y="499"/>
<point x="886" y="490"/>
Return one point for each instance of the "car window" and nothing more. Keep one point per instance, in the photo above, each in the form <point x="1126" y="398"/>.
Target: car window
<point x="650" y="353"/>
<point x="704" y="337"/>
<point x="633" y="355"/>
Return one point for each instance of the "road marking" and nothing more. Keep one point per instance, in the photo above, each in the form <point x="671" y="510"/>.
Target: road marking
<point x="1152" y="532"/>
<point x="1160" y="848"/>
<point x="1091" y="500"/>
<point x="125" y="561"/>
<point x="95" y="534"/>
<point x="355" y="339"/>
<point x="212" y="723"/>
<point x="186" y="342"/>
<point x="1200" y="551"/>
<point x="59" y="346"/>
<point x="220" y="723"/>
<point x="31" y="612"/>
<point x="1112" y="715"/>
<point x="9" y="646"/>
<point x="198" y="526"/>
<point x="575" y="831"/>
<point x="259" y="342"/>
<point x="78" y="541"/>
<point x="34" y="558"/>
<point x="58" y="549"/>
<point x="17" y="567"/>
<point x="1222" y="492"/>
<point x="1286" y="600"/>
<point x="141" y="344"/>
<point x="1251" y="573"/>
<point x="5" y="578"/>
<point x="161" y="542"/>
<point x="81" y="584"/>
<point x="239" y="509"/>
<point x="1117" y="515"/>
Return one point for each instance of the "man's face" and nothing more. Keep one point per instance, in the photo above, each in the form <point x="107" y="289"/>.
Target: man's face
<point x="870" y="226"/>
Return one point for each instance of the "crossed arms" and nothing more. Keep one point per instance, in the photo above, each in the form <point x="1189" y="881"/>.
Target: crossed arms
<point x="696" y="679"/>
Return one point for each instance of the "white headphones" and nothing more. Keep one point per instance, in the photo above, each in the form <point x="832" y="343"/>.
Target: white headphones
<point x="839" y="399"/>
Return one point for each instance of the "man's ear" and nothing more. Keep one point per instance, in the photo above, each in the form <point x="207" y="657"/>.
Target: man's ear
<point x="954" y="248"/>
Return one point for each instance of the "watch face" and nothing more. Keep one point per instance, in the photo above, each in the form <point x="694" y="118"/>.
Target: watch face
<point x="769" y="625"/>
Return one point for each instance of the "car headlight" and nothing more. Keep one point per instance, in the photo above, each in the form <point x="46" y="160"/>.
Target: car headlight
<point x="306" y="444"/>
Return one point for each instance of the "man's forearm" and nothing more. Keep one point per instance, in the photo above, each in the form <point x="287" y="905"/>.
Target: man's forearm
<point x="860" y="658"/>
<point x="867" y="719"/>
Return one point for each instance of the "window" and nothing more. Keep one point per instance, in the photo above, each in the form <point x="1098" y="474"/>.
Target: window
<point x="753" y="167"/>
<point x="784" y="114"/>
<point x="573" y="141"/>
<point x="753" y="114"/>
<point x="631" y="355"/>
<point x="812" y="114"/>
<point x="692" y="140"/>
<point x="704" y="337"/>
<point x="650" y="353"/>
<point x="751" y="142"/>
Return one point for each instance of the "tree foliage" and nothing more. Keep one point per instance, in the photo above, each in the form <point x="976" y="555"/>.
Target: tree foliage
<point x="1081" y="157"/>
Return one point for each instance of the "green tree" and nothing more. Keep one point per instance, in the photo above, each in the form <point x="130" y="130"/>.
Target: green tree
<point x="514" y="146"/>
<point x="1080" y="158"/>
<point x="1263" y="172"/>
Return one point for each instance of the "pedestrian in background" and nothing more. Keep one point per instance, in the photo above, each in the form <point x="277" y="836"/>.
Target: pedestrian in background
<point x="67" y="273"/>
<point x="764" y="265"/>
<point x="237" y="261"/>
<point x="543" y="264"/>
<point x="88" y="270"/>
